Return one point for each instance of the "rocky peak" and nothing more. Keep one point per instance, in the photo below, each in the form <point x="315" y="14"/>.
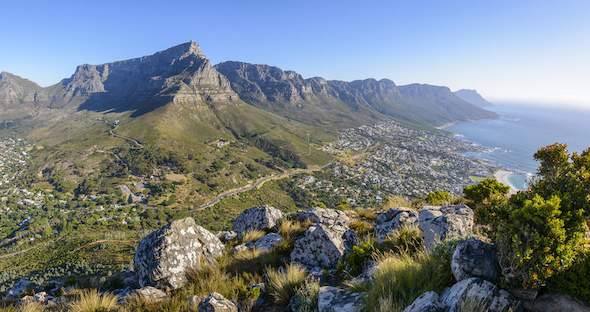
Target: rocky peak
<point x="14" y="89"/>
<point x="473" y="97"/>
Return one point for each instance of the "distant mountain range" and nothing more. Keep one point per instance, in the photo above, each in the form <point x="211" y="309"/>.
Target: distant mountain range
<point x="177" y="99"/>
<point x="471" y="96"/>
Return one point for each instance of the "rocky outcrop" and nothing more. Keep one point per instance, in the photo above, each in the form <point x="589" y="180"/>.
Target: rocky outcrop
<point x="474" y="258"/>
<point x="472" y="97"/>
<point x="21" y="287"/>
<point x="322" y="246"/>
<point x="336" y="299"/>
<point x="557" y="303"/>
<point x="267" y="242"/>
<point x="441" y="223"/>
<point x="427" y="302"/>
<point x="257" y="218"/>
<point x="148" y="294"/>
<point x="394" y="219"/>
<point x="328" y="217"/>
<point x="164" y="256"/>
<point x="226" y="236"/>
<point x="215" y="302"/>
<point x="479" y="295"/>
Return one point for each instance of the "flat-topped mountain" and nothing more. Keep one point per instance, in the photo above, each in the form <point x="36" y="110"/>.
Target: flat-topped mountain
<point x="473" y="97"/>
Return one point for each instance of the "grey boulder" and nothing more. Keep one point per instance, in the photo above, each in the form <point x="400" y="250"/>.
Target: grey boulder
<point x="474" y="258"/>
<point x="479" y="295"/>
<point x="215" y="302"/>
<point x="266" y="243"/>
<point x="439" y="223"/>
<point x="148" y="294"/>
<point x="257" y="218"/>
<point x="321" y="246"/>
<point x="164" y="257"/>
<point x="328" y="217"/>
<point x="558" y="303"/>
<point x="332" y="299"/>
<point x="427" y="302"/>
<point x="394" y="219"/>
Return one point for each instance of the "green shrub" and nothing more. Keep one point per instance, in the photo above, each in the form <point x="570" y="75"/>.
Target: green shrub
<point x="355" y="261"/>
<point x="533" y="243"/>
<point x="574" y="281"/>
<point x="439" y="198"/>
<point x="482" y="197"/>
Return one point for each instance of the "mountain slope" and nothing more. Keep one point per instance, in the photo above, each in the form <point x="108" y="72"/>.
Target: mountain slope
<point x="473" y="97"/>
<point x="289" y="94"/>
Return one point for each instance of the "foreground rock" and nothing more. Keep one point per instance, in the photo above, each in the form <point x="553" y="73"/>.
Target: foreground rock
<point x="558" y="303"/>
<point x="148" y="294"/>
<point x="20" y="288"/>
<point x="479" y="295"/>
<point x="321" y="247"/>
<point x="335" y="299"/>
<point x="215" y="302"/>
<point x="163" y="258"/>
<point x="474" y="258"/>
<point x="266" y="243"/>
<point x="328" y="217"/>
<point x="441" y="223"/>
<point x="427" y="302"/>
<point x="257" y="218"/>
<point x="394" y="219"/>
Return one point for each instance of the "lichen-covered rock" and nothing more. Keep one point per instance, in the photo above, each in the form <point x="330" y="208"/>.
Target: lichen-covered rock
<point x="331" y="299"/>
<point x="328" y="217"/>
<point x="479" y="293"/>
<point x="427" y="302"/>
<point x="21" y="287"/>
<point x="215" y="302"/>
<point x="474" y="258"/>
<point x="440" y="223"/>
<point x="266" y="243"/>
<point x="321" y="246"/>
<point x="257" y="218"/>
<point x="558" y="303"/>
<point x="164" y="256"/>
<point x="226" y="236"/>
<point x="394" y="219"/>
<point x="148" y="294"/>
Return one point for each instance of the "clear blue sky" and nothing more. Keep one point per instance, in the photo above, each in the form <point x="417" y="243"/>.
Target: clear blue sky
<point x="525" y="50"/>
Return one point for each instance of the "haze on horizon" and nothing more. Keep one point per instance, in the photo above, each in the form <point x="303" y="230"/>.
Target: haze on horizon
<point x="526" y="51"/>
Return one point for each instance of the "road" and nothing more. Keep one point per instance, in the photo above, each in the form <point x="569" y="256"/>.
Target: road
<point x="259" y="183"/>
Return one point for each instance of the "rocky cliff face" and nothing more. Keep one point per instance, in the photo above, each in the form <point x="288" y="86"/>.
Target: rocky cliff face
<point x="269" y="86"/>
<point x="15" y="90"/>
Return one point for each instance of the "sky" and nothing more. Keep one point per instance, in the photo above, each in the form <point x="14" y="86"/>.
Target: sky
<point x="522" y="51"/>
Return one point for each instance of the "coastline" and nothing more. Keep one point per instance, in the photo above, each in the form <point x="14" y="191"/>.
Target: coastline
<point x="502" y="176"/>
<point x="447" y="125"/>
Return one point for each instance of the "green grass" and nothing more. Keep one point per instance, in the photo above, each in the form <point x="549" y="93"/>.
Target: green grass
<point x="400" y="278"/>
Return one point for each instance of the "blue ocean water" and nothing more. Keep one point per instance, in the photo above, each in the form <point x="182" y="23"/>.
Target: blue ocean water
<point x="521" y="131"/>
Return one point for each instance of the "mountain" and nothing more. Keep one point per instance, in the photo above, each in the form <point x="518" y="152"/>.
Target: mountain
<point x="289" y="94"/>
<point x="473" y="97"/>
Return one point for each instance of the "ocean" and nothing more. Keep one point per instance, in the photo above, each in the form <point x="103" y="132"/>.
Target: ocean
<point x="520" y="131"/>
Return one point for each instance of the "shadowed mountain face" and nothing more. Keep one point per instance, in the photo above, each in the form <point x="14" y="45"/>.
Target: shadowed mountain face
<point x="282" y="91"/>
<point x="472" y="97"/>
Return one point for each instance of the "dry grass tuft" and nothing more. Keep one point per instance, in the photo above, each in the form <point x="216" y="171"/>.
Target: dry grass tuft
<point x="93" y="301"/>
<point x="253" y="235"/>
<point x="283" y="283"/>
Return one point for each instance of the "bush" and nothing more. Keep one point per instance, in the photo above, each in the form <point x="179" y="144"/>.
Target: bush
<point x="400" y="279"/>
<point x="533" y="243"/>
<point x="439" y="198"/>
<point x="283" y="283"/>
<point x="574" y="281"/>
<point x="355" y="261"/>
<point x="482" y="197"/>
<point x="93" y="301"/>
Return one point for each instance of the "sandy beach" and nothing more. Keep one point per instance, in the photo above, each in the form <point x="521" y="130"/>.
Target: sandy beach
<point x="502" y="176"/>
